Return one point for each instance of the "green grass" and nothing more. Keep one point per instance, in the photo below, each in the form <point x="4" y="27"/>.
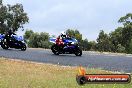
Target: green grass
<point x="24" y="74"/>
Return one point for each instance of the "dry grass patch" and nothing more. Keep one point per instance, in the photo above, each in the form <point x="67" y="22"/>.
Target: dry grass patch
<point x="25" y="74"/>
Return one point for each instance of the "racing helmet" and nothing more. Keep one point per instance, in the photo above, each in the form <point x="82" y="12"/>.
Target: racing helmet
<point x="63" y="33"/>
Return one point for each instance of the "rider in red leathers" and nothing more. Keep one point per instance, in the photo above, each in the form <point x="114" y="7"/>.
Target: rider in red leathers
<point x="59" y="40"/>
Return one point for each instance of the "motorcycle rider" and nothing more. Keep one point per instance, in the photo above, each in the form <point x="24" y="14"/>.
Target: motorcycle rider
<point x="60" y="40"/>
<point x="63" y="35"/>
<point x="9" y="34"/>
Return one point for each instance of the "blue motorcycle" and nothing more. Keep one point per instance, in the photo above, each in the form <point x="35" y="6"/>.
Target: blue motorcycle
<point x="66" y="46"/>
<point x="12" y="41"/>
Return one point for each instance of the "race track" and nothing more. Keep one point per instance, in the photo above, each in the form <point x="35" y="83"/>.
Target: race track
<point x="121" y="63"/>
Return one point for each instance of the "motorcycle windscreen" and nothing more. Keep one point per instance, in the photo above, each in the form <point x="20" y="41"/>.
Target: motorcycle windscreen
<point x="19" y="38"/>
<point x="72" y="40"/>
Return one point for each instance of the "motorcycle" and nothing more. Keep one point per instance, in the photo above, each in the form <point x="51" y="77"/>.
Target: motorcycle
<point x="65" y="46"/>
<point x="13" y="41"/>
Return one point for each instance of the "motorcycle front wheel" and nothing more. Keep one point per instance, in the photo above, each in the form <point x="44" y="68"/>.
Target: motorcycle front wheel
<point x="78" y="52"/>
<point x="24" y="47"/>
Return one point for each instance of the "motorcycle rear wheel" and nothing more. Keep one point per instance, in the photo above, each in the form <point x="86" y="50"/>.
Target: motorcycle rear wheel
<point x="4" y="45"/>
<point x="55" y="49"/>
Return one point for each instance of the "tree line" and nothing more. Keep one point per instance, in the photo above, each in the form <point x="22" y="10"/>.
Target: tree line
<point x="120" y="40"/>
<point x="12" y="17"/>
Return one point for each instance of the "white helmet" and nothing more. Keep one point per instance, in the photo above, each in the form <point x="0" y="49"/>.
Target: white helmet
<point x="63" y="33"/>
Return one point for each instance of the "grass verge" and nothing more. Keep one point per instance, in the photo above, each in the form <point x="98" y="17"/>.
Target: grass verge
<point x="24" y="74"/>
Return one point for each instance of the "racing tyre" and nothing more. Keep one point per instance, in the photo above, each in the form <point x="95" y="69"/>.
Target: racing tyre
<point x="81" y="80"/>
<point x="4" y="45"/>
<point x="78" y="52"/>
<point x="55" y="49"/>
<point x="23" y="48"/>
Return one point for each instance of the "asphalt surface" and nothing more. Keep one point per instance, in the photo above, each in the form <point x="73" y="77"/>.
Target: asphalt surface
<point x="121" y="63"/>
